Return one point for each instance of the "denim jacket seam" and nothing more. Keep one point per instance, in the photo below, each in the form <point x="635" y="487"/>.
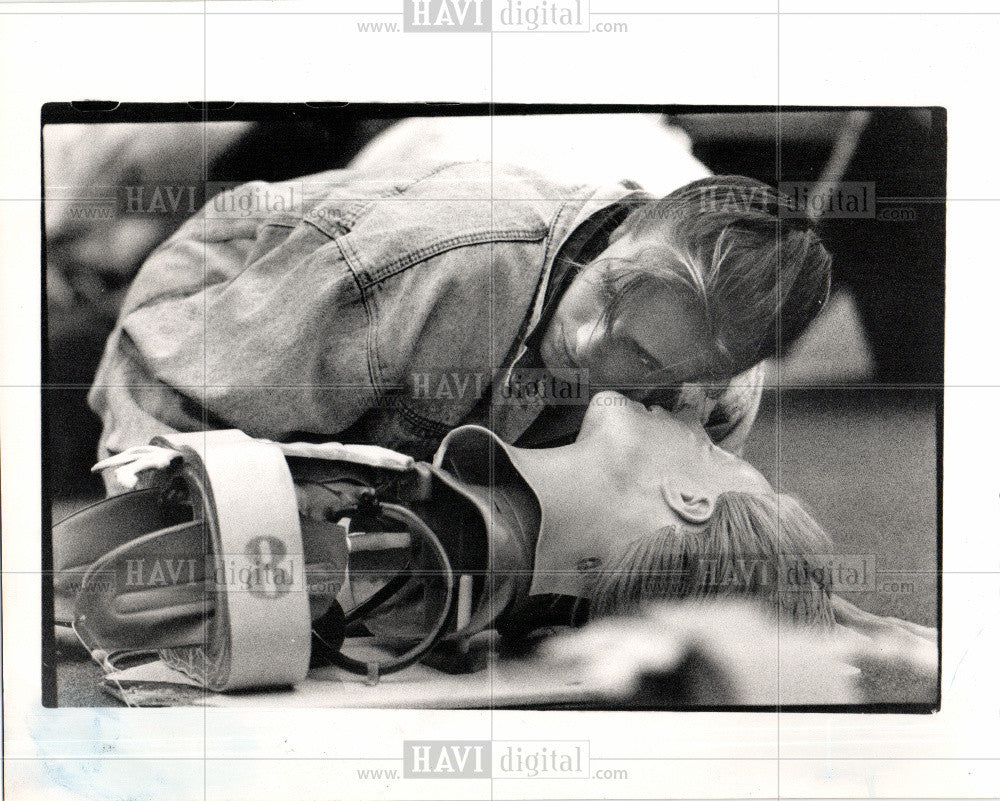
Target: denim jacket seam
<point x="517" y="348"/>
<point x="288" y="221"/>
<point x="374" y="363"/>
<point x="553" y="227"/>
<point x="404" y="186"/>
<point x="371" y="339"/>
<point x="334" y="229"/>
<point x="425" y="426"/>
<point x="415" y="257"/>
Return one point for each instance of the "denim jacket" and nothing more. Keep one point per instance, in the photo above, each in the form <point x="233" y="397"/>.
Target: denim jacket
<point x="353" y="306"/>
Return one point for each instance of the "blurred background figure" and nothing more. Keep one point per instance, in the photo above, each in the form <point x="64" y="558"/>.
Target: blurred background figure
<point x="574" y="149"/>
<point x="107" y="205"/>
<point x="731" y="653"/>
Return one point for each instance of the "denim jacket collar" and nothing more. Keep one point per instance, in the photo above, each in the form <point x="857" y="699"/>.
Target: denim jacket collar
<point x="511" y="419"/>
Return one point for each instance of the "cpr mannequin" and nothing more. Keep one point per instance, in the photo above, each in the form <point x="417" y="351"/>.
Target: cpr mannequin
<point x="642" y="506"/>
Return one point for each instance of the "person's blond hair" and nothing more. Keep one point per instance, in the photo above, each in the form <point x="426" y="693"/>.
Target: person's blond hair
<point x="755" y="269"/>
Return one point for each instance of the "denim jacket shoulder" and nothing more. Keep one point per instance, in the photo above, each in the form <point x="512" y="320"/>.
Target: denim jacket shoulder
<point x="449" y="262"/>
<point x="386" y="225"/>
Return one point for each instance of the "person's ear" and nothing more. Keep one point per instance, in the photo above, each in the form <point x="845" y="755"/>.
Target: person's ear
<point x="693" y="506"/>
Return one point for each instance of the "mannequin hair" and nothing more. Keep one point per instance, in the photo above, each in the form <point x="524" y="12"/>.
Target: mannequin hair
<point x="760" y="546"/>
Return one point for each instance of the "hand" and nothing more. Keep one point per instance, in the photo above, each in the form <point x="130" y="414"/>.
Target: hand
<point x="897" y="659"/>
<point x="720" y="652"/>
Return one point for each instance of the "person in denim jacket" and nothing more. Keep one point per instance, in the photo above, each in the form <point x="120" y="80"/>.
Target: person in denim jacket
<point x="390" y="307"/>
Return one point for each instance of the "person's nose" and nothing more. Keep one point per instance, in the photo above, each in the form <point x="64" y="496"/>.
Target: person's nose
<point x="691" y="416"/>
<point x="692" y="409"/>
<point x="587" y="342"/>
<point x="693" y="401"/>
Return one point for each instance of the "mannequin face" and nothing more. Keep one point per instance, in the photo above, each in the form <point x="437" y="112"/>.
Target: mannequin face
<point x="632" y="471"/>
<point x="649" y="446"/>
<point x="649" y="467"/>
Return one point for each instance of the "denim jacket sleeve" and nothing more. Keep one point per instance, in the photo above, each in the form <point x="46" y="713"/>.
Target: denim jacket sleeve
<point x="372" y="309"/>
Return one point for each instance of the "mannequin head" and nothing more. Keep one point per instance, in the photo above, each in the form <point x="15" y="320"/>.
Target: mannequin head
<point x="644" y="506"/>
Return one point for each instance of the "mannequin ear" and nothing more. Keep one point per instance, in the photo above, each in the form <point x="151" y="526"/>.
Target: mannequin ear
<point x="693" y="506"/>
